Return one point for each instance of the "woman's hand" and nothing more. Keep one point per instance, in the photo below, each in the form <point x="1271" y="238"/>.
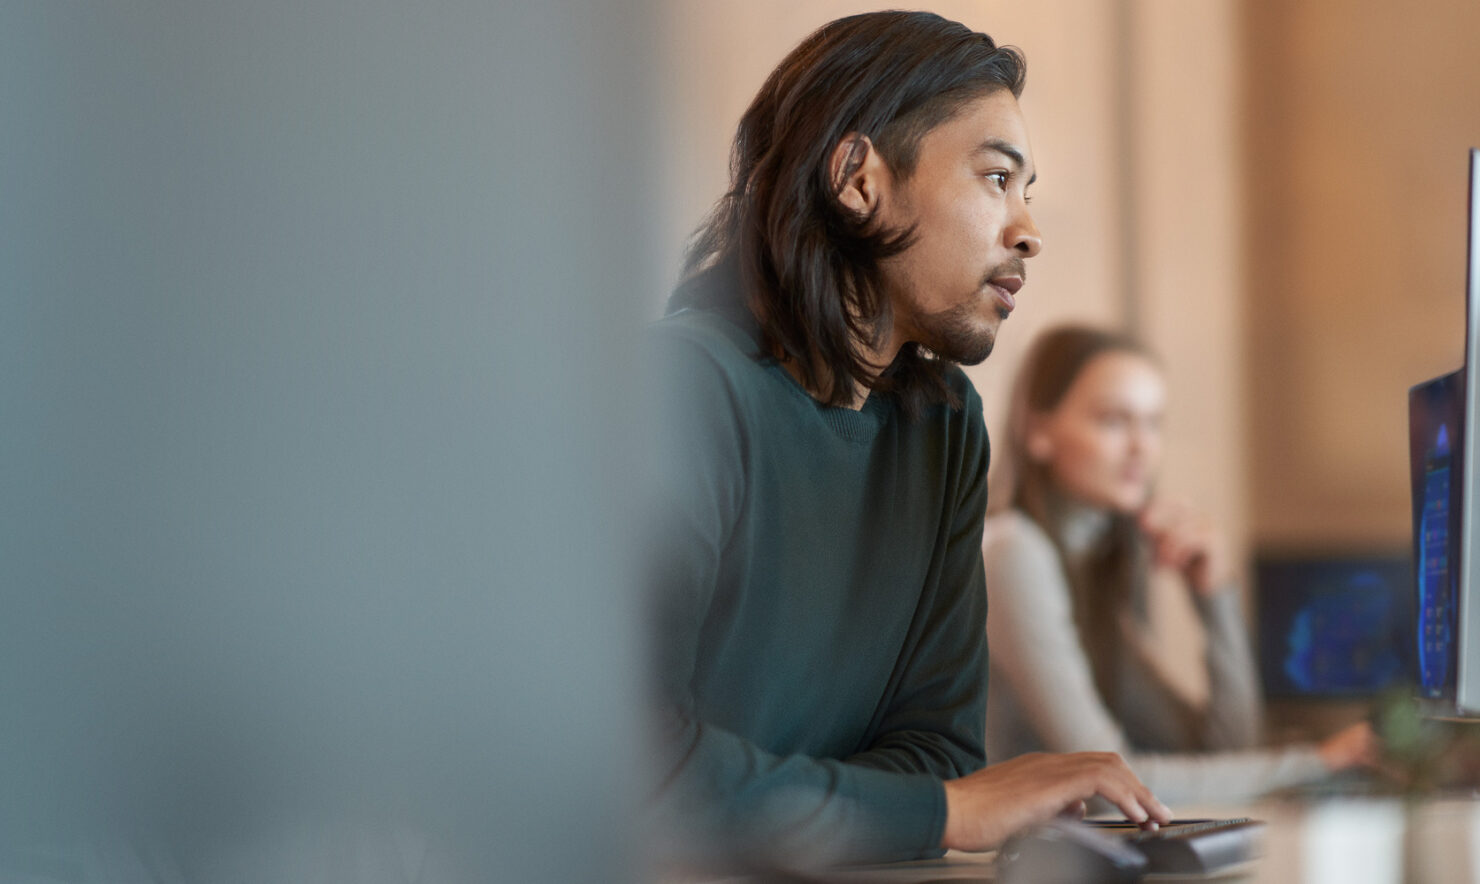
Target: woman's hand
<point x="1186" y="541"/>
<point x="1356" y="745"/>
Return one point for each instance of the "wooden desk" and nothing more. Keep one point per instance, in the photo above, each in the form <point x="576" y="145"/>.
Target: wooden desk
<point x="1339" y="841"/>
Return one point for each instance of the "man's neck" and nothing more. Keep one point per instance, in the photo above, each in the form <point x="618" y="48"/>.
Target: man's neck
<point x="877" y="359"/>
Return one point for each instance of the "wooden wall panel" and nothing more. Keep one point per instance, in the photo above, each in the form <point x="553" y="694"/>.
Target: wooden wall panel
<point x="1357" y="117"/>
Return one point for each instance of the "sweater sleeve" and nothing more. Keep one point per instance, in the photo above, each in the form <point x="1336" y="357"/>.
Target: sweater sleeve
<point x="1036" y="649"/>
<point x="1234" y="715"/>
<point x="733" y="802"/>
<point x="1035" y="644"/>
<point x="935" y="720"/>
<point x="1228" y="776"/>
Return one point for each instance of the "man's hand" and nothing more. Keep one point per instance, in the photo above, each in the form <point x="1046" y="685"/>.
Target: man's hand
<point x="985" y="808"/>
<point x="1187" y="542"/>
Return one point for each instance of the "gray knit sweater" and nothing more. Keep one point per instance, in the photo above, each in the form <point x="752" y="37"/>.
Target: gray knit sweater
<point x="1043" y="695"/>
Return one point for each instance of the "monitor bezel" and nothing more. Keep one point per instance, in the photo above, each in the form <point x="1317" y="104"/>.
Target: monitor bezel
<point x="1467" y="684"/>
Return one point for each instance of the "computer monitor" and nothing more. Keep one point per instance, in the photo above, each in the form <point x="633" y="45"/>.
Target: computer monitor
<point x="1444" y="452"/>
<point x="1436" y="436"/>
<point x="1334" y="627"/>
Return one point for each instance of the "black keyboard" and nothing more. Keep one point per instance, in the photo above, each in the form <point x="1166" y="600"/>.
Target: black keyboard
<point x="1191" y="847"/>
<point x="1104" y="851"/>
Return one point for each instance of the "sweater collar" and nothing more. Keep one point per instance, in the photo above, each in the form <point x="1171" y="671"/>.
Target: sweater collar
<point x="1083" y="529"/>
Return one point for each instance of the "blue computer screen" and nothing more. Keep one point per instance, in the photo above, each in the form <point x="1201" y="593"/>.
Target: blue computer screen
<point x="1435" y="426"/>
<point x="1335" y="626"/>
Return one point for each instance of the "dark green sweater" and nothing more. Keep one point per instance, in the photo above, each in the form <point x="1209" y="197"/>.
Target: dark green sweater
<point x="822" y="606"/>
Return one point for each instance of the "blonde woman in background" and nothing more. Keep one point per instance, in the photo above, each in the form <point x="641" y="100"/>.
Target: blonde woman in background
<point x="1068" y="566"/>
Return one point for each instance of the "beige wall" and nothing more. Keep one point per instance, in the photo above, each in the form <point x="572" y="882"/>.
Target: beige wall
<point x="1359" y="113"/>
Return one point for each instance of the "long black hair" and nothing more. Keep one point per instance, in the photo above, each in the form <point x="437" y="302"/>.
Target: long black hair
<point x="807" y="266"/>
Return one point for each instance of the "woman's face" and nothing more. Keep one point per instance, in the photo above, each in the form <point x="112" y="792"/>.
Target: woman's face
<point x="1102" y="443"/>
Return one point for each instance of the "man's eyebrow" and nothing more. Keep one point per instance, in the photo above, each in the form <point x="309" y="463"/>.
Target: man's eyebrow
<point x="1007" y="149"/>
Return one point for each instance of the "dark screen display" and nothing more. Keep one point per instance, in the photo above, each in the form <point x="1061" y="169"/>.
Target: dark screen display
<point x="1334" y="627"/>
<point x="1436" y="429"/>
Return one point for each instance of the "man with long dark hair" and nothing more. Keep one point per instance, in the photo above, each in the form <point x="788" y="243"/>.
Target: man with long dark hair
<point x="822" y="592"/>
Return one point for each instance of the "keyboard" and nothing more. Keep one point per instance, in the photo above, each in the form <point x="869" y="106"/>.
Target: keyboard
<point x="1190" y="847"/>
<point x="1106" y="851"/>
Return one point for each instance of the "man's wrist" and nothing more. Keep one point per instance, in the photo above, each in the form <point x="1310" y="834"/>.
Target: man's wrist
<point x="950" y="834"/>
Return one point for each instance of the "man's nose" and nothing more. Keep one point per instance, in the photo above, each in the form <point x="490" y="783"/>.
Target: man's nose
<point x="1023" y="236"/>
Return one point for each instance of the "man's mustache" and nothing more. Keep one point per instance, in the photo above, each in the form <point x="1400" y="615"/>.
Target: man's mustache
<point x="1014" y="266"/>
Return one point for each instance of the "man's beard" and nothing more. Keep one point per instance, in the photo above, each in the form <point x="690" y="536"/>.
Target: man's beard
<point x="955" y="335"/>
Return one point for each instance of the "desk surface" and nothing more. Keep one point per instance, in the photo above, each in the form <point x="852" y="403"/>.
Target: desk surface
<point x="1338" y="841"/>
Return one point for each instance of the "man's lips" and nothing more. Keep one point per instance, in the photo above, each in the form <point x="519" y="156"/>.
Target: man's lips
<point x="1006" y="287"/>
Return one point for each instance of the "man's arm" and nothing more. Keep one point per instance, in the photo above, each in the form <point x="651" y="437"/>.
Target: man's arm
<point x="936" y="712"/>
<point x="986" y="806"/>
<point x="735" y="802"/>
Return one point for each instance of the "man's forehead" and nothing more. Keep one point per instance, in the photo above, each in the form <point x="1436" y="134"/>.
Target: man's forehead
<point x="994" y="144"/>
<point x="990" y="124"/>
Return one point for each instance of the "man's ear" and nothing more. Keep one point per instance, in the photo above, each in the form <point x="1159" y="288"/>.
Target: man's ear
<point x="859" y="175"/>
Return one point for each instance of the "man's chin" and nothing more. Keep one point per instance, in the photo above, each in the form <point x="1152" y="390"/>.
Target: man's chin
<point x="976" y="357"/>
<point x="963" y="338"/>
<point x="969" y="349"/>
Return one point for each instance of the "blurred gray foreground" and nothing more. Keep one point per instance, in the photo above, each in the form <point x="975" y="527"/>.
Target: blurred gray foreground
<point x="314" y="442"/>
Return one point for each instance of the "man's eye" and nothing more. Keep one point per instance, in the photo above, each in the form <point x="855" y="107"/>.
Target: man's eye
<point x="1000" y="178"/>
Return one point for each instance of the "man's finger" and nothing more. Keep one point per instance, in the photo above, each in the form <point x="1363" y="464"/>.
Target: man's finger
<point x="1114" y="786"/>
<point x="1075" y="810"/>
<point x="1137" y="802"/>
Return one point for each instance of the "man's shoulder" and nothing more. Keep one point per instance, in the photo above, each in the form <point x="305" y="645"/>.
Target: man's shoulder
<point x="707" y="331"/>
<point x="708" y="314"/>
<point x="706" y="361"/>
